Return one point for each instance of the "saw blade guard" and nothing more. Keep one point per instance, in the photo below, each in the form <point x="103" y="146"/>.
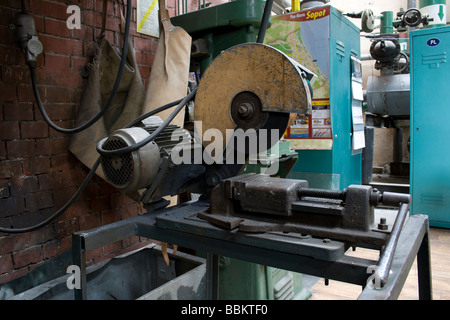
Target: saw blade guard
<point x="251" y="86"/>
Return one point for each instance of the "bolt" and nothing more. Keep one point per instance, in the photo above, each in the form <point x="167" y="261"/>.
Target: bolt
<point x="246" y="110"/>
<point x="382" y="225"/>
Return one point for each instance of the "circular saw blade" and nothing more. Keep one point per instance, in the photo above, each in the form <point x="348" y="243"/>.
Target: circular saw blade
<point x="250" y="86"/>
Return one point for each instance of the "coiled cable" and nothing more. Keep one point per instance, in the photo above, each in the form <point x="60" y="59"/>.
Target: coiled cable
<point x="111" y="96"/>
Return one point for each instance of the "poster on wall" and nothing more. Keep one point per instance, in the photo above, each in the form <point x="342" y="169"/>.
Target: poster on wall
<point x="147" y="17"/>
<point x="358" y="139"/>
<point x="304" y="37"/>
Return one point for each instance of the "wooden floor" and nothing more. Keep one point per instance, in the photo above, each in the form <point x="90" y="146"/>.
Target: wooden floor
<point x="440" y="270"/>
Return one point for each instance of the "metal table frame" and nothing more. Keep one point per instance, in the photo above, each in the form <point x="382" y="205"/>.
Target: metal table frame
<point x="324" y="258"/>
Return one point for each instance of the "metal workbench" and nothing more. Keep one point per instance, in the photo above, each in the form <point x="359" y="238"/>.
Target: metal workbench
<point x="324" y="258"/>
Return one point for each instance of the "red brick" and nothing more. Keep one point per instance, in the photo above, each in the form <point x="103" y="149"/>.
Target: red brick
<point x="110" y="216"/>
<point x="145" y="72"/>
<point x="63" y="162"/>
<point x="38" y="200"/>
<point x="100" y="204"/>
<point x="41" y="235"/>
<point x="44" y="181"/>
<point x="6" y="264"/>
<point x="52" y="146"/>
<point x="90" y="255"/>
<point x="56" y="71"/>
<point x="144" y="58"/>
<point x="36" y="165"/>
<point x="4" y="189"/>
<point x="66" y="228"/>
<point x="77" y="209"/>
<point x="11" y="206"/>
<point x="27" y="256"/>
<point x="113" y="23"/>
<point x="22" y="186"/>
<point x="8" y="92"/>
<point x="142" y="44"/>
<point x="90" y="18"/>
<point x="7" y="277"/>
<point x="52" y="249"/>
<point x="13" y="242"/>
<point x="57" y="27"/>
<point x="62" y="46"/>
<point x="49" y="9"/>
<point x="9" y="130"/>
<point x="16" y="74"/>
<point x="20" y="148"/>
<point x="110" y="8"/>
<point x="18" y="111"/>
<point x="90" y="221"/>
<point x="33" y="129"/>
<point x="25" y="93"/>
<point x="112" y="247"/>
<point x="10" y="168"/>
<point x="85" y="33"/>
<point x="130" y="211"/>
<point x="57" y="112"/>
<point x="3" y="150"/>
<point x="58" y="95"/>
<point x="11" y="55"/>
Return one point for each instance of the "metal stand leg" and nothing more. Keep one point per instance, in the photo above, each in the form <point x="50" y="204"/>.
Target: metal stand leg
<point x="79" y="259"/>
<point x="424" y="269"/>
<point x="212" y="276"/>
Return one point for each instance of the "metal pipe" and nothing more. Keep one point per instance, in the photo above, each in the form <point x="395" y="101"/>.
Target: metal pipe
<point x="385" y="262"/>
<point x="412" y="4"/>
<point x="265" y="21"/>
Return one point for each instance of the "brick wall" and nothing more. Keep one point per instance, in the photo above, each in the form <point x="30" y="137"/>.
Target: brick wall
<point x="37" y="172"/>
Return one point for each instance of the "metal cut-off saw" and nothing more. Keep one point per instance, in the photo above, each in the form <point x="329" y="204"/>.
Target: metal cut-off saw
<point x="257" y="88"/>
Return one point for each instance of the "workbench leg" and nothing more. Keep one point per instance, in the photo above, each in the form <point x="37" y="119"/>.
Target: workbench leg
<point x="424" y="269"/>
<point x="212" y="276"/>
<point x="79" y="259"/>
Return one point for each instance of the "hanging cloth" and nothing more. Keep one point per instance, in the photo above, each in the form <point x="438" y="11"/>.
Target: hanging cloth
<point x="125" y="107"/>
<point x="170" y="70"/>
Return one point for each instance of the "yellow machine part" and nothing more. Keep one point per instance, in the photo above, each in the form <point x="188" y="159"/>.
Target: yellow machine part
<point x="250" y="75"/>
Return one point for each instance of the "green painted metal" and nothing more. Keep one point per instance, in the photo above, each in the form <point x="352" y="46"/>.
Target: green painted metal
<point x="430" y="172"/>
<point x="435" y="9"/>
<point x="386" y="22"/>
<point x="223" y="26"/>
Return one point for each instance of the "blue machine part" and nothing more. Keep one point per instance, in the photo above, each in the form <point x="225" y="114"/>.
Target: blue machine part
<point x="430" y="127"/>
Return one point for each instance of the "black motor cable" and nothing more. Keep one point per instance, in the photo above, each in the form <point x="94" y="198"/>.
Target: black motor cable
<point x="152" y="136"/>
<point x="111" y="96"/>
<point x="152" y="112"/>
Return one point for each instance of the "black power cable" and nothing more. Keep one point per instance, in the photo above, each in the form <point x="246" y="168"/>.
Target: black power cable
<point x="111" y="96"/>
<point x="61" y="210"/>
<point x="74" y="130"/>
<point x="152" y="136"/>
